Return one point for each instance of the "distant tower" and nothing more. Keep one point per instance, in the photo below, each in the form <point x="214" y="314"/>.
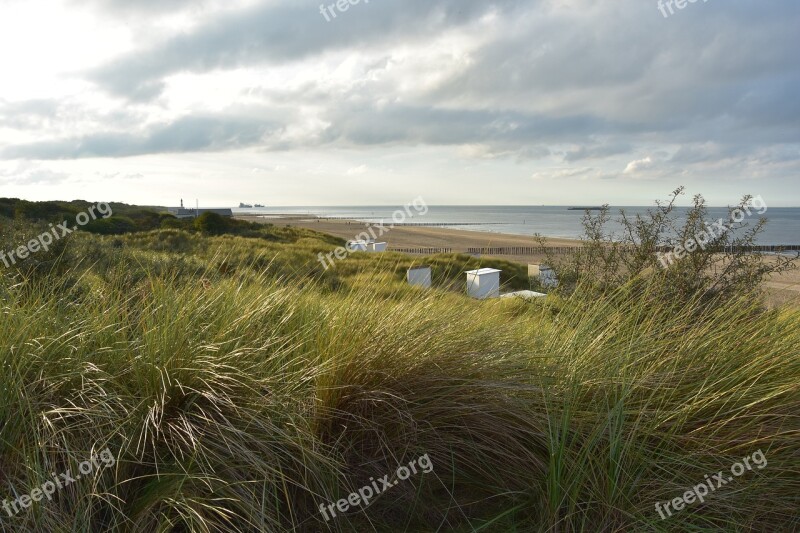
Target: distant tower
<point x="181" y="203"/>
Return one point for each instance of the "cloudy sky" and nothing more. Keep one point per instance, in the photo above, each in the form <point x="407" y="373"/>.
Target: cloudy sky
<point x="460" y="101"/>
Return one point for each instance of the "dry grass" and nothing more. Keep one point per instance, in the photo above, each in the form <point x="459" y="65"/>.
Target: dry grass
<point x="238" y="392"/>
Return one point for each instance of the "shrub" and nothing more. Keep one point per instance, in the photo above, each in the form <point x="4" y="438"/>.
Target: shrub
<point x="114" y="225"/>
<point x="44" y="212"/>
<point x="721" y="269"/>
<point x="211" y="223"/>
<point x="172" y="222"/>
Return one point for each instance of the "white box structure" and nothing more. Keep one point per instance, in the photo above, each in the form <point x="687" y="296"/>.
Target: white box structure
<point x="419" y="276"/>
<point x="357" y="246"/>
<point x="377" y="247"/>
<point x="547" y="277"/>
<point x="483" y="283"/>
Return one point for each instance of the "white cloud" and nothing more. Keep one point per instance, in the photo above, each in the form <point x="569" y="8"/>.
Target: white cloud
<point x="357" y="171"/>
<point x="638" y="165"/>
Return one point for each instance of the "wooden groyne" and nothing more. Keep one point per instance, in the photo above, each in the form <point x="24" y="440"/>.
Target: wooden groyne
<point x="773" y="248"/>
<point x="423" y="251"/>
<point x="525" y="250"/>
<point x="442" y="224"/>
<point x="566" y="250"/>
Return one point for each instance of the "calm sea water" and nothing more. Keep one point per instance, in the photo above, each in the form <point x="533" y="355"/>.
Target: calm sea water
<point x="551" y="221"/>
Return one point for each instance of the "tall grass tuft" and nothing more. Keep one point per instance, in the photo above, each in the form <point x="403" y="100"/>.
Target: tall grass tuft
<point x="239" y="388"/>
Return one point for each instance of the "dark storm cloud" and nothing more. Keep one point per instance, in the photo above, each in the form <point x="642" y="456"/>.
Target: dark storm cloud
<point x="279" y="33"/>
<point x="27" y="114"/>
<point x="594" y="151"/>
<point x="190" y="134"/>
<point x="735" y="60"/>
<point x="53" y="115"/>
<point x="422" y="125"/>
<point x="139" y="6"/>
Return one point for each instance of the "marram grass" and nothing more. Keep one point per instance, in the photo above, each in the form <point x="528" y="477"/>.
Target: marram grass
<point x="239" y="387"/>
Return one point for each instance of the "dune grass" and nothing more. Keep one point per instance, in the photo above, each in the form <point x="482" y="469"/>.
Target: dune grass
<point x="239" y="386"/>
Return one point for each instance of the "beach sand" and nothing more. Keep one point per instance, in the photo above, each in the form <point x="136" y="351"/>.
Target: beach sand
<point x="782" y="289"/>
<point x="419" y="237"/>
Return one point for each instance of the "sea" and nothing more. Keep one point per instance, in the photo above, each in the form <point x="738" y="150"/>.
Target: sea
<point x="783" y="226"/>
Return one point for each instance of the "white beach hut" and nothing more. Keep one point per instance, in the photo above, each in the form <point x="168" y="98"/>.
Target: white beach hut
<point x="357" y="246"/>
<point x="483" y="283"/>
<point x="546" y="275"/>
<point x="377" y="247"/>
<point x="419" y="276"/>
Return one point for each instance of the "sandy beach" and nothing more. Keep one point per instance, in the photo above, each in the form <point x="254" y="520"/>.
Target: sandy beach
<point x="419" y="237"/>
<point x="783" y="288"/>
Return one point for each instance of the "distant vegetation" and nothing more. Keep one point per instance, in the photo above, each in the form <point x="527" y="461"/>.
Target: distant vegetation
<point x="239" y="385"/>
<point x="126" y="218"/>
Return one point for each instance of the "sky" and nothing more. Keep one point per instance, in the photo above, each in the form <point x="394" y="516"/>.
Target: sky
<point x="289" y="102"/>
